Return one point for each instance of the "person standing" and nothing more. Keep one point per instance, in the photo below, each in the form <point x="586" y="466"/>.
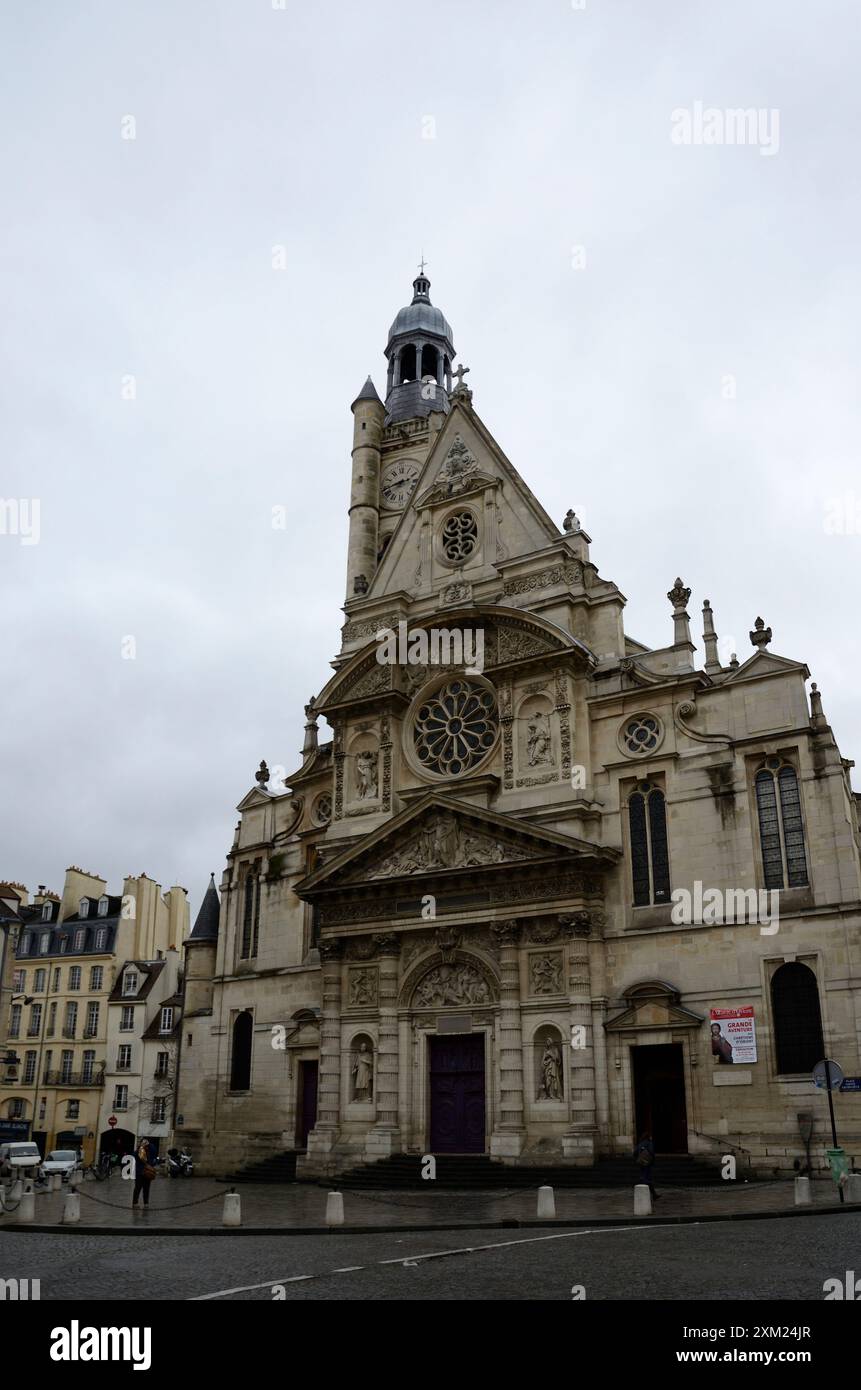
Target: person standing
<point x="644" y="1157"/>
<point x="144" y="1173"/>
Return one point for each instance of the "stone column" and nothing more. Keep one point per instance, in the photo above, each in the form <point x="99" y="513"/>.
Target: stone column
<point x="385" y="1137"/>
<point x="324" y="1135"/>
<point x="509" y="1134"/>
<point x="578" y="1142"/>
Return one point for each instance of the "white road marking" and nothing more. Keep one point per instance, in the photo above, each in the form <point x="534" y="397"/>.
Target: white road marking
<point x="411" y="1261"/>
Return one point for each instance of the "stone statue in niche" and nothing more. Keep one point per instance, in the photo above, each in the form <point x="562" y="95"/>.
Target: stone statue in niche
<point x="366" y="776"/>
<point x="550" y="1087"/>
<point x="538" y="740"/>
<point x="363" y="1073"/>
<point x="546" y="974"/>
<point x="451" y="984"/>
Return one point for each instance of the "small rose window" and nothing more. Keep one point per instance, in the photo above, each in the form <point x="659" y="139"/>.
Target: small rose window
<point x="322" y="813"/>
<point x="642" y="734"/>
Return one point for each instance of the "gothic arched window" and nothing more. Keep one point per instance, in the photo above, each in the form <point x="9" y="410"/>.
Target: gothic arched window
<point x="240" y="1059"/>
<point x="797" y="1018"/>
<point x="781" y="829"/>
<point x="650" y="864"/>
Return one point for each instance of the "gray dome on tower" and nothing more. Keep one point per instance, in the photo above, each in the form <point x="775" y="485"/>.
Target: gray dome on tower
<point x="420" y="351"/>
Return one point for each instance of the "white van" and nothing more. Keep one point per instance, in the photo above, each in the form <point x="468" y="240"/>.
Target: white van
<point x="19" y="1160"/>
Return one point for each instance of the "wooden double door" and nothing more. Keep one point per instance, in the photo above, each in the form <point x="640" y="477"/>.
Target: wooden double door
<point x="457" y="1108"/>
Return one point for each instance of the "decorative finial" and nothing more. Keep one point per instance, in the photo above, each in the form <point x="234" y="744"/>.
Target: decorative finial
<point x="261" y="776"/>
<point x="733" y="662"/>
<point x="679" y="595"/>
<point x="761" y="635"/>
<point x="571" y="522"/>
<point x="422" y="264"/>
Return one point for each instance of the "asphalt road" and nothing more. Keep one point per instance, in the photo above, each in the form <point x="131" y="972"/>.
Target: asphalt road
<point x="747" y="1260"/>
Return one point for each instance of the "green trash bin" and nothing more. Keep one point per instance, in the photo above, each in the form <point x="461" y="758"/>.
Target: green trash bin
<point x="839" y="1161"/>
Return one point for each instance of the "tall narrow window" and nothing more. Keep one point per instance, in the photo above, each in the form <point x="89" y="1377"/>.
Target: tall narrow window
<point x="240" y="1062"/>
<point x="251" y="911"/>
<point x="650" y="864"/>
<point x="88" y="1066"/>
<point x="781" y="830"/>
<point x="797" y="1018"/>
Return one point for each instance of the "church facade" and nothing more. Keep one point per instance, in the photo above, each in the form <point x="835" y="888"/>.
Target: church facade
<point x="543" y="887"/>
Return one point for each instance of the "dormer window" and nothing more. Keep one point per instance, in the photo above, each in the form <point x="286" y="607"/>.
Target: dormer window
<point x="102" y="908"/>
<point x="166" y="1023"/>
<point x="45" y="943"/>
<point x="80" y="938"/>
<point x="46" y="912"/>
<point x="130" y="983"/>
<point x="84" y="907"/>
<point x="101" y="939"/>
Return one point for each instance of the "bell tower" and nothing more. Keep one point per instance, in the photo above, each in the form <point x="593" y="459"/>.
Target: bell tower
<point x="420" y="352"/>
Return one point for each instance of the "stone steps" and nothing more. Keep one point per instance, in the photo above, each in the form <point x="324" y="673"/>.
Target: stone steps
<point x="481" y="1172"/>
<point x="280" y="1168"/>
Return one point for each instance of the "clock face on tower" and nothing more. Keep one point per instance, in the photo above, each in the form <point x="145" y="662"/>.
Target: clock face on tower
<point x="397" y="483"/>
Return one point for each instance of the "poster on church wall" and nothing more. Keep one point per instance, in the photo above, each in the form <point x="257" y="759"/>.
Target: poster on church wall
<point x="733" y="1034"/>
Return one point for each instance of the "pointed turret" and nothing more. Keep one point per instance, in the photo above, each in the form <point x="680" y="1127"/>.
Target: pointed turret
<point x="206" y="923"/>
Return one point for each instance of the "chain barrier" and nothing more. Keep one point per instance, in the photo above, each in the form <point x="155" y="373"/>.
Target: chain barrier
<point x="124" y="1206"/>
<point x="423" y="1197"/>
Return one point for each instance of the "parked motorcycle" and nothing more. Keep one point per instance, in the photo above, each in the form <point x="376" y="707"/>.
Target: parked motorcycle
<point x="179" y="1163"/>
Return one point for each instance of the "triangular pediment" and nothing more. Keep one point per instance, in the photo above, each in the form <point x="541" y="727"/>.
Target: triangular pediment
<point x="258" y="796"/>
<point x="653" y="1005"/>
<point x="440" y="835"/>
<point x="764" y="663"/>
<point x="463" y="463"/>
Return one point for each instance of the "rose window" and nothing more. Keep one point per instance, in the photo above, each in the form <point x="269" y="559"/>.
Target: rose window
<point x="459" y="537"/>
<point x="455" y="728"/>
<point x="641" y="735"/>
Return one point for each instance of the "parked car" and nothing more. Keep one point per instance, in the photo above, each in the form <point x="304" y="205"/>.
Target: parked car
<point x="62" y="1161"/>
<point x="19" y="1160"/>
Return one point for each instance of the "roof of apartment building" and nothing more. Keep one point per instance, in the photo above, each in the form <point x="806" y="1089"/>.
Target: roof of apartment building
<point x="148" y="969"/>
<point x="153" y="1029"/>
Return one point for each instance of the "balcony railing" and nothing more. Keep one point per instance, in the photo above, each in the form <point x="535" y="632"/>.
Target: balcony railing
<point x="70" y="1032"/>
<point x="75" y="1078"/>
<point x="91" y="1032"/>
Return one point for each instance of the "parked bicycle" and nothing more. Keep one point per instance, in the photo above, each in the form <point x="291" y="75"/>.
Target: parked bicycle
<point x="101" y="1169"/>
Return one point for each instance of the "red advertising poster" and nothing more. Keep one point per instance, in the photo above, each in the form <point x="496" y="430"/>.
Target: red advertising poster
<point x="733" y="1034"/>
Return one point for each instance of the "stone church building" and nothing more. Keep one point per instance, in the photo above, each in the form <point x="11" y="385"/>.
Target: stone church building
<point x="541" y="887"/>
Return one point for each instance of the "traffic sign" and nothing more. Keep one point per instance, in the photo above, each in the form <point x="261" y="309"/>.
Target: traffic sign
<point x="112" y="1121"/>
<point x="827" y="1075"/>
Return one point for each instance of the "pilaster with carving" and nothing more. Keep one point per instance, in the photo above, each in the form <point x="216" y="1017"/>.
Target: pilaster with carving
<point x="386" y="750"/>
<point x="563" y="710"/>
<point x="508" y="1137"/>
<point x="506" y="720"/>
<point x="384" y="1138"/>
<point x="324" y="1135"/>
<point x="579" y="1141"/>
<point x="338" y="808"/>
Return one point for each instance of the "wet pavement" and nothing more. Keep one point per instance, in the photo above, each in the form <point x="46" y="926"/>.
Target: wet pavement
<point x="198" y="1203"/>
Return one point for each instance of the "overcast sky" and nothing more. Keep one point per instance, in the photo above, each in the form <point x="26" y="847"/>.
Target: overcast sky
<point x="687" y="379"/>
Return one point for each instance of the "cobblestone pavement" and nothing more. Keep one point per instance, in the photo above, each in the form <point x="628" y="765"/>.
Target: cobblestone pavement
<point x="198" y="1202"/>
<point x="750" y="1260"/>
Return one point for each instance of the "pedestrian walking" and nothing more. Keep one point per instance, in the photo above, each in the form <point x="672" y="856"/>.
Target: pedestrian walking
<point x="144" y="1173"/>
<point x="644" y="1157"/>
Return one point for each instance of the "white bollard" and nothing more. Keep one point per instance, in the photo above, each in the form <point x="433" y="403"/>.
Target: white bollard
<point x="546" y="1202"/>
<point x="853" y="1187"/>
<point x="27" y="1208"/>
<point x="335" y="1209"/>
<point x="802" y="1192"/>
<point x="642" y="1200"/>
<point x="56" y="1182"/>
<point x="71" y="1209"/>
<point x="74" y="1178"/>
<point x="15" y="1191"/>
<point x="232" y="1210"/>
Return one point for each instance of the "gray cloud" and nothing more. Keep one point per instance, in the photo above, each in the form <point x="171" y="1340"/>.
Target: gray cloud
<point x="301" y="128"/>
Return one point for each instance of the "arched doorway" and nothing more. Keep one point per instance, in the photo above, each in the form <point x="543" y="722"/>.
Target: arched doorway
<point x="116" y="1141"/>
<point x="240" y="1060"/>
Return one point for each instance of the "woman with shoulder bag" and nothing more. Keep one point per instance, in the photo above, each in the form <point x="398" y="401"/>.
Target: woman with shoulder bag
<point x="144" y="1173"/>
